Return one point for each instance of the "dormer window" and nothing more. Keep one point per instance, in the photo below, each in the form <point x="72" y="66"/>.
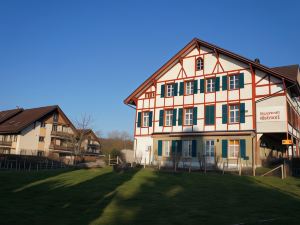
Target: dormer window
<point x="199" y="64"/>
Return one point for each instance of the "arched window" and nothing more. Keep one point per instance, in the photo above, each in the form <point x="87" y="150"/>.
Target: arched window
<point x="199" y="64"/>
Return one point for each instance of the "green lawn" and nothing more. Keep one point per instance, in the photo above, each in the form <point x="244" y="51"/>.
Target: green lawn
<point x="101" y="196"/>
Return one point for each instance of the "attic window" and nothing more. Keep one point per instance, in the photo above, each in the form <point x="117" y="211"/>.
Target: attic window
<point x="199" y="64"/>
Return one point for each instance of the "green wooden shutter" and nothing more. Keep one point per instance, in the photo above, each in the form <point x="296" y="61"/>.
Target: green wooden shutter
<point x="224" y="148"/>
<point x="209" y="114"/>
<point x="179" y="147"/>
<point x="173" y="147"/>
<point x="194" y="148"/>
<point x="202" y="86"/>
<point x="195" y="86"/>
<point x="174" y="117"/>
<point x="206" y="114"/>
<point x="241" y="80"/>
<point x="242" y="113"/>
<point x="195" y="114"/>
<point x="161" y="118"/>
<point x="162" y="91"/>
<point x="217" y="83"/>
<point x="224" y="83"/>
<point x="181" y="88"/>
<point x="139" y="120"/>
<point x="159" y="148"/>
<point x="243" y="148"/>
<point x="175" y="88"/>
<point x="180" y="114"/>
<point x="150" y="119"/>
<point x="224" y="114"/>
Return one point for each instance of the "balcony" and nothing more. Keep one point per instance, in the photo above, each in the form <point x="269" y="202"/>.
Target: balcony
<point x="68" y="148"/>
<point x="5" y="143"/>
<point x="61" y="134"/>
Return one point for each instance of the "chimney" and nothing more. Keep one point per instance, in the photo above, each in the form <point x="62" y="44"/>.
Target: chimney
<point x="257" y="60"/>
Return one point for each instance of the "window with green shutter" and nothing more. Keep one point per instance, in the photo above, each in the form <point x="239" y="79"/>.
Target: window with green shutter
<point x="175" y="85"/>
<point x="242" y="113"/>
<point x="209" y="114"/>
<point x="194" y="148"/>
<point x="224" y="83"/>
<point x="224" y="114"/>
<point x="195" y="115"/>
<point x="224" y="148"/>
<point x="139" y="119"/>
<point x="159" y="148"/>
<point x="162" y="91"/>
<point x="181" y="88"/>
<point x="174" y="117"/>
<point x="241" y="80"/>
<point x="202" y="86"/>
<point x="195" y="86"/>
<point x="180" y="114"/>
<point x="217" y="84"/>
<point x="150" y="119"/>
<point x="161" y="118"/>
<point x="243" y="148"/>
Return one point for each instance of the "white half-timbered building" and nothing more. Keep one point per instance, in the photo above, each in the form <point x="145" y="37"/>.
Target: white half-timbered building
<point x="211" y="104"/>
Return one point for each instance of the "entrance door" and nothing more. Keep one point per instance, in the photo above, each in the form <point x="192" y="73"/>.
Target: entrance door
<point x="210" y="152"/>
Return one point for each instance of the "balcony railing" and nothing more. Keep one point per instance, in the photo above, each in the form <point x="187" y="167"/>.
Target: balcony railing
<point x="61" y="147"/>
<point x="5" y="143"/>
<point x="61" y="134"/>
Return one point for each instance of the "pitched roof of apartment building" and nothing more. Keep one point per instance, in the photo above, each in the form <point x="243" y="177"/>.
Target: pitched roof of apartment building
<point x="197" y="43"/>
<point x="290" y="71"/>
<point x="7" y="114"/>
<point x="26" y="117"/>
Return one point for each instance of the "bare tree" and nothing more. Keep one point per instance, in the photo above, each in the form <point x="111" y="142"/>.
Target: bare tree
<point x="83" y="127"/>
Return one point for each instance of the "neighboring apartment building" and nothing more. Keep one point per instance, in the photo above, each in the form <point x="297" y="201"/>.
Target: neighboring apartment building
<point x="90" y="143"/>
<point x="38" y="131"/>
<point x="212" y="103"/>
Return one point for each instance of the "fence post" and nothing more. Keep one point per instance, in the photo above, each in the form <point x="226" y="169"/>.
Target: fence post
<point x="109" y="159"/>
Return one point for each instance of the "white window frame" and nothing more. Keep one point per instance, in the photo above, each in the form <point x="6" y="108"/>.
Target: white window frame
<point x="233" y="82"/>
<point x="188" y="116"/>
<point x="146" y="119"/>
<point x="199" y="64"/>
<point x="233" y="149"/>
<point x="169" y="90"/>
<point x="234" y="113"/>
<point x="166" y="148"/>
<point x="189" y="87"/>
<point x="187" y="146"/>
<point x="210" y="85"/>
<point x="168" y="117"/>
<point x="210" y="148"/>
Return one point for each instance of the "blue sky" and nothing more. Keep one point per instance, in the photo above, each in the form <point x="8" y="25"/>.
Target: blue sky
<point x="87" y="56"/>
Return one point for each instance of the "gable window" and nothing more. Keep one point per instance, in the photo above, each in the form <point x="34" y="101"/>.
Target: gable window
<point x="169" y="117"/>
<point x="233" y="148"/>
<point x="187" y="148"/>
<point x="41" y="139"/>
<point x="54" y="128"/>
<point x="149" y="94"/>
<point x="188" y="116"/>
<point x="210" y="85"/>
<point x="234" y="82"/>
<point x="199" y="64"/>
<point x="234" y="114"/>
<point x="145" y="119"/>
<point x="166" y="148"/>
<point x="43" y="124"/>
<point x="189" y="87"/>
<point x="55" y="117"/>
<point x="170" y="90"/>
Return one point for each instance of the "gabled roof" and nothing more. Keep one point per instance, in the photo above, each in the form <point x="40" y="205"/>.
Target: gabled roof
<point x="7" y="114"/>
<point x="88" y="131"/>
<point x="290" y="71"/>
<point x="27" y="117"/>
<point x="196" y="43"/>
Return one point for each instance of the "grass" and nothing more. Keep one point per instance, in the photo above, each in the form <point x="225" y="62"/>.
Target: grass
<point x="101" y="196"/>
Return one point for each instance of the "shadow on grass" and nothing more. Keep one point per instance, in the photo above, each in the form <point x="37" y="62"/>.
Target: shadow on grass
<point x="149" y="197"/>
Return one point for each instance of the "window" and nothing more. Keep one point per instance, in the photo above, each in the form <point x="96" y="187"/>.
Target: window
<point x="150" y="94"/>
<point x="233" y="148"/>
<point x="170" y="90"/>
<point x="234" y="82"/>
<point x="210" y="115"/>
<point x="55" y="117"/>
<point x="210" y="85"/>
<point x="188" y="116"/>
<point x="210" y="148"/>
<point x="54" y="128"/>
<point x="187" y="148"/>
<point x="199" y="64"/>
<point x="15" y="138"/>
<point x="189" y="87"/>
<point x="43" y="124"/>
<point x="145" y="119"/>
<point x="166" y="148"/>
<point x="234" y="114"/>
<point x="41" y="139"/>
<point x="169" y="117"/>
